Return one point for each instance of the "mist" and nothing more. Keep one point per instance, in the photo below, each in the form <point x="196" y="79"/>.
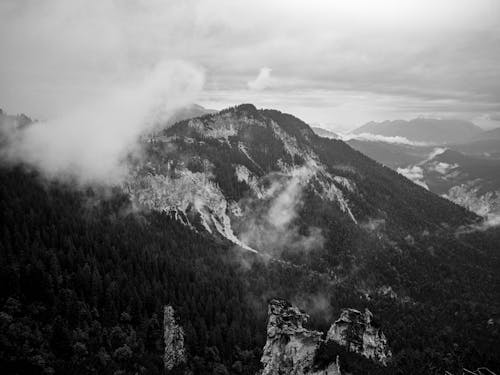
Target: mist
<point x="272" y="227"/>
<point x="382" y="138"/>
<point x="91" y="141"/>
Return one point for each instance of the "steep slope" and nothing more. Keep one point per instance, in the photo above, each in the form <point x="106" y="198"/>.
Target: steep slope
<point x="466" y="173"/>
<point x="85" y="280"/>
<point x="393" y="155"/>
<point x="243" y="156"/>
<point x="85" y="277"/>
<point x="263" y="181"/>
<point x="424" y="130"/>
<point x="291" y="348"/>
<point x="324" y="132"/>
<point x="469" y="181"/>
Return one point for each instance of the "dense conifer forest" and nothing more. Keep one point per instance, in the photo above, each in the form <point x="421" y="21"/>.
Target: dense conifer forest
<point x="84" y="281"/>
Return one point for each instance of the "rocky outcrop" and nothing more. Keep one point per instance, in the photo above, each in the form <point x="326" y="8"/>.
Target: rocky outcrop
<point x="173" y="334"/>
<point x="292" y="349"/>
<point x="355" y="331"/>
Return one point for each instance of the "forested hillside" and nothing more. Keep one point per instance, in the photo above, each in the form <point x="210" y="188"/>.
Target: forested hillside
<point x="83" y="286"/>
<point x="84" y="281"/>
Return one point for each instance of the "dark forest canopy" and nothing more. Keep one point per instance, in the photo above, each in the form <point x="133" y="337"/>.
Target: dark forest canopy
<point x="83" y="287"/>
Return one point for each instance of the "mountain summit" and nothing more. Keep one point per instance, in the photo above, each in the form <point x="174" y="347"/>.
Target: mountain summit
<point x="264" y="180"/>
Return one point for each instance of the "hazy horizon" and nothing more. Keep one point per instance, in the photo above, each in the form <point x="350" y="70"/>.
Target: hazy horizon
<point x="338" y="64"/>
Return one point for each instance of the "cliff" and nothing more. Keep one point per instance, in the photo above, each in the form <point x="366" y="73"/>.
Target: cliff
<point x="355" y="331"/>
<point x="292" y="349"/>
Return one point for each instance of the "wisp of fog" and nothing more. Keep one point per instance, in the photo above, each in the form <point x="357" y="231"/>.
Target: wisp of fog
<point x="91" y="143"/>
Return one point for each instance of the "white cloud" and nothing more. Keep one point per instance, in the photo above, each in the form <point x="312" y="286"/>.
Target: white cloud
<point x="341" y="62"/>
<point x="383" y="138"/>
<point x="271" y="227"/>
<point x="490" y="221"/>
<point x="262" y="81"/>
<point x="415" y="174"/>
<point x="90" y="142"/>
<point x="436" y="152"/>
<point x="442" y="168"/>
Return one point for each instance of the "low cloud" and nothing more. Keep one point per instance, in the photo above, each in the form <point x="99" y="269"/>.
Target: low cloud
<point x="442" y="168"/>
<point x="437" y="151"/>
<point x="317" y="305"/>
<point x="415" y="174"/>
<point x="262" y="81"/>
<point x="489" y="222"/>
<point x="382" y="138"/>
<point x="271" y="227"/>
<point x="91" y="143"/>
<point x="373" y="225"/>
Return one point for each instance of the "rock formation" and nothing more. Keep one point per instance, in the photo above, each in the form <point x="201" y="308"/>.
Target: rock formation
<point x="292" y="349"/>
<point x="173" y="335"/>
<point x="355" y="331"/>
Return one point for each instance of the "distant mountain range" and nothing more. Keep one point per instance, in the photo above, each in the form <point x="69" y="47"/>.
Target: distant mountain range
<point x="454" y="159"/>
<point x="425" y="130"/>
<point x="469" y="181"/>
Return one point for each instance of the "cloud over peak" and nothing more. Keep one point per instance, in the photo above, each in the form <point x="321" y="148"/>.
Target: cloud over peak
<point x="91" y="142"/>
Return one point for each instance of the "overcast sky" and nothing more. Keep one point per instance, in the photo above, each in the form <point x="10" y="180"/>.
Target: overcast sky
<point x="337" y="63"/>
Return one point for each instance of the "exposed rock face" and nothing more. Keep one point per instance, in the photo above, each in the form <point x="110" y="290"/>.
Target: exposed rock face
<point x="291" y="348"/>
<point x="173" y="335"/>
<point x="181" y="172"/>
<point x="476" y="198"/>
<point x="355" y="331"/>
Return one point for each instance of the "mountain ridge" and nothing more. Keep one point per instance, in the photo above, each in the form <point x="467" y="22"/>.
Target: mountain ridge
<point x="424" y="130"/>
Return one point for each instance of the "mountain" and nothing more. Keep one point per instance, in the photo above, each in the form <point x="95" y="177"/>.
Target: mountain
<point x="469" y="181"/>
<point x="393" y="155"/>
<point x="433" y="131"/>
<point x="485" y="148"/>
<point x="219" y="215"/>
<point x="242" y="166"/>
<point x="465" y="173"/>
<point x="485" y="145"/>
<point x="324" y="132"/>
